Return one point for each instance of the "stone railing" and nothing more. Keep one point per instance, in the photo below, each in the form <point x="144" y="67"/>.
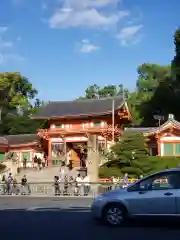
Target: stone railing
<point x="48" y="189"/>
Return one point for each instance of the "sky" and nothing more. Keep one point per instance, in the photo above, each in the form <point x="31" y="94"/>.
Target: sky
<point x="63" y="46"/>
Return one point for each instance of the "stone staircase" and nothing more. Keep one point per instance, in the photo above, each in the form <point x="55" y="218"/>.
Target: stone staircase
<point x="45" y="175"/>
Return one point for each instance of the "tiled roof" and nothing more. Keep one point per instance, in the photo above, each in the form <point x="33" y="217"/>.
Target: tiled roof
<point x="141" y="129"/>
<point x="3" y="141"/>
<point x="150" y="130"/>
<point x="79" y="108"/>
<point x="21" y="139"/>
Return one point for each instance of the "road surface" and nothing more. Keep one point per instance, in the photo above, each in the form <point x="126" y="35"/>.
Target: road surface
<point x="75" y="223"/>
<point x="24" y="202"/>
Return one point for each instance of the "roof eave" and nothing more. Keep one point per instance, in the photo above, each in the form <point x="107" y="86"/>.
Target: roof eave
<point x="77" y="116"/>
<point x="23" y="144"/>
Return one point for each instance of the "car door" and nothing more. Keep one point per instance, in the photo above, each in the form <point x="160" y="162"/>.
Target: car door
<point x="154" y="195"/>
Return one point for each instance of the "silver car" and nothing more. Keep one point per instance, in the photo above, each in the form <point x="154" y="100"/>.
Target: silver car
<point x="155" y="195"/>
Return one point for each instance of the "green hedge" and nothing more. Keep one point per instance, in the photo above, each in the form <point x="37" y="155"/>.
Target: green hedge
<point x="157" y="164"/>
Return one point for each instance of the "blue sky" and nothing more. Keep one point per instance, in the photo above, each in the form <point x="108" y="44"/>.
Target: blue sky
<point x="63" y="46"/>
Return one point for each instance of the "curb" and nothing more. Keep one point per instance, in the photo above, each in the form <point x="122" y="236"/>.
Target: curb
<point x="45" y="209"/>
<point x="42" y="196"/>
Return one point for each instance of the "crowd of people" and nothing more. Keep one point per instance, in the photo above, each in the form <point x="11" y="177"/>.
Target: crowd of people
<point x="67" y="182"/>
<point x="40" y="161"/>
<point x="70" y="182"/>
<point x="10" y="186"/>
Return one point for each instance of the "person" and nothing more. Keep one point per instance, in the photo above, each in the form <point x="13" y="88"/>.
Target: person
<point x="68" y="158"/>
<point x="141" y="176"/>
<point x="72" y="174"/>
<point x="66" y="185"/>
<point x="24" y="162"/>
<point x="125" y="180"/>
<point x="4" y="185"/>
<point x="62" y="173"/>
<point x="39" y="161"/>
<point x="15" y="189"/>
<point x="43" y="162"/>
<point x="9" y="184"/>
<point x="56" y="186"/>
<point x="83" y="157"/>
<point x="86" y="185"/>
<point x="24" y="186"/>
<point x="36" y="162"/>
<point x="78" y="184"/>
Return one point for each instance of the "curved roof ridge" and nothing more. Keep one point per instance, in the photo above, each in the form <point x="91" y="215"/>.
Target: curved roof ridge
<point x="88" y="99"/>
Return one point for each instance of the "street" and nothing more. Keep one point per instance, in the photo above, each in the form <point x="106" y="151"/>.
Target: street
<point x="24" y="202"/>
<point x="74" y="223"/>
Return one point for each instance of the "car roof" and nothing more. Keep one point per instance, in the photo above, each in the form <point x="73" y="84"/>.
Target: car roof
<point x="170" y="170"/>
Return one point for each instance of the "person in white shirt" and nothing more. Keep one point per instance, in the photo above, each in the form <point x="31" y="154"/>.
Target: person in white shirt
<point x="79" y="182"/>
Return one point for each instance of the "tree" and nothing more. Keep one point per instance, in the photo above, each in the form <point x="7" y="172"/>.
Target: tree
<point x="18" y="89"/>
<point x="17" y="94"/>
<point x="175" y="66"/>
<point x="166" y="97"/>
<point x="130" y="155"/>
<point x="96" y="92"/>
<point x="146" y="101"/>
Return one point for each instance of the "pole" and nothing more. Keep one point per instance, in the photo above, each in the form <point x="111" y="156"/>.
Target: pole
<point x="113" y="120"/>
<point x="65" y="150"/>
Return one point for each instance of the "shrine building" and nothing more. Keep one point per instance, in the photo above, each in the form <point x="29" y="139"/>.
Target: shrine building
<point x="70" y="123"/>
<point x="163" y="140"/>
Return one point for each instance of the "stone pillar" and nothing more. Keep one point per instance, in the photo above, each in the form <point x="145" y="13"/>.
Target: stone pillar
<point x="49" y="153"/>
<point x="93" y="158"/>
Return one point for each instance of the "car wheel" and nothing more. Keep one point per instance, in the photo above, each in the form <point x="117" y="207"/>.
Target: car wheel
<point x="114" y="214"/>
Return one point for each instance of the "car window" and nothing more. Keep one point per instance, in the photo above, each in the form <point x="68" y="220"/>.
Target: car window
<point x="158" y="182"/>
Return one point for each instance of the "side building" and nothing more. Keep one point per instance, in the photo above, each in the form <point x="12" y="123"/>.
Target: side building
<point x="163" y="140"/>
<point x="16" y="147"/>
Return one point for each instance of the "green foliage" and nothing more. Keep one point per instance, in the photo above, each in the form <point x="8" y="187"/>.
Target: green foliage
<point x="106" y="172"/>
<point x="96" y="92"/>
<point x="18" y="90"/>
<point x="20" y="125"/>
<point x="16" y="95"/>
<point x="156" y="164"/>
<point x="130" y="154"/>
<point x="162" y="163"/>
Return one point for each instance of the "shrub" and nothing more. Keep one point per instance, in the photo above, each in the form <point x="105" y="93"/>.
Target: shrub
<point x="157" y="164"/>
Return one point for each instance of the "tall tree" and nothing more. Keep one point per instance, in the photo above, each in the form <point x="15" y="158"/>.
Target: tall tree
<point x="18" y="89"/>
<point x="16" y="95"/>
<point x="148" y="103"/>
<point x="175" y="67"/>
<point x="130" y="154"/>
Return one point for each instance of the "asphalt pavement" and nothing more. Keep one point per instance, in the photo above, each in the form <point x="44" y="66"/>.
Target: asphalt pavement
<point x="24" y="202"/>
<point x="25" y="217"/>
<point x="75" y="223"/>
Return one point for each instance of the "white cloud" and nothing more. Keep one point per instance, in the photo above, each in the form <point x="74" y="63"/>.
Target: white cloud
<point x="5" y="44"/>
<point x="86" y="46"/>
<point x="3" y="29"/>
<point x="7" y="53"/>
<point x="9" y="57"/>
<point x="86" y="13"/>
<point x="81" y="4"/>
<point x="130" y="35"/>
<point x="19" y="38"/>
<point x="44" y="6"/>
